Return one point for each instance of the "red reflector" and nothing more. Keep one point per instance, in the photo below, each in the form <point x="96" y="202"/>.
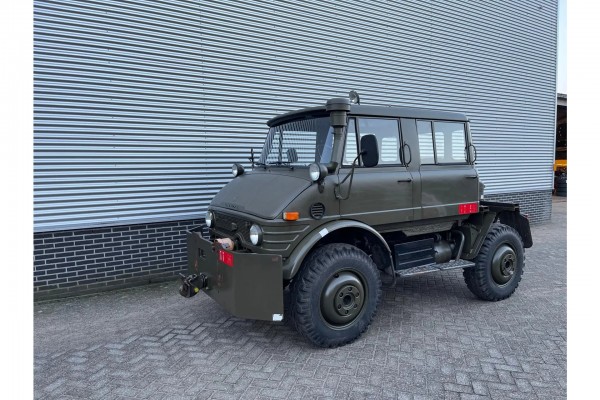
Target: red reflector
<point x="226" y="258"/>
<point x="468" y="208"/>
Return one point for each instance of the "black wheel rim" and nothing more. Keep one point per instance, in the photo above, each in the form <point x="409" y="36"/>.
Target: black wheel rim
<point x="504" y="265"/>
<point x="342" y="299"/>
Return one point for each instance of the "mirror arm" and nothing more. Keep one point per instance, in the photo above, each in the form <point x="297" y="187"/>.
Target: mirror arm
<point x="350" y="175"/>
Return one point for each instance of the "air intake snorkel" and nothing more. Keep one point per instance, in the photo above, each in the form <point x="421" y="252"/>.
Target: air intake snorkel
<point x="369" y="149"/>
<point x="338" y="113"/>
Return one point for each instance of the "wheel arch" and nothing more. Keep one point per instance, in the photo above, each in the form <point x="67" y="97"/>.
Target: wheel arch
<point x="342" y="231"/>
<point x="518" y="222"/>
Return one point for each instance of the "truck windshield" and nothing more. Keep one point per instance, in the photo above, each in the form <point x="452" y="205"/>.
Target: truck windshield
<point x="299" y="143"/>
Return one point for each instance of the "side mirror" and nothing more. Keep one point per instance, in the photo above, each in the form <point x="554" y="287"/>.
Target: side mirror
<point x="369" y="150"/>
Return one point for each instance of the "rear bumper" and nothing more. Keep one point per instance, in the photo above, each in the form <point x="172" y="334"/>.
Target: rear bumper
<point x="247" y="285"/>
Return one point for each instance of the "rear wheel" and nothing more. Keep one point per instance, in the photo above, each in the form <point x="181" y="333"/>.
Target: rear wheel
<point x="335" y="295"/>
<point x="498" y="266"/>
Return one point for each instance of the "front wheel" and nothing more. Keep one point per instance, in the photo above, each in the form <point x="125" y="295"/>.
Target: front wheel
<point x="335" y="295"/>
<point x="498" y="266"/>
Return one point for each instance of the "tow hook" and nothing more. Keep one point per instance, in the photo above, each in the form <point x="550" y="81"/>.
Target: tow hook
<point x="191" y="284"/>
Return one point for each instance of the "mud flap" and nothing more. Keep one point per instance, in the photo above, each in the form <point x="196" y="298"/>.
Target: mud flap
<point x="247" y="285"/>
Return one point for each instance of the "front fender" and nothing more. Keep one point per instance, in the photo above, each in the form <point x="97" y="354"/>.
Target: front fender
<point x="293" y="263"/>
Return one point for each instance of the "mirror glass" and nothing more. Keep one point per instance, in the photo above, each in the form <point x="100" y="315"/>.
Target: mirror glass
<point x="369" y="150"/>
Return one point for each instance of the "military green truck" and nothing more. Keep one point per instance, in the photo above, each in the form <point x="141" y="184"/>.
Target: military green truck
<point x="342" y="198"/>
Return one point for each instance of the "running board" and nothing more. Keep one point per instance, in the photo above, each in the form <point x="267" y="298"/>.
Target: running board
<point x="425" y="269"/>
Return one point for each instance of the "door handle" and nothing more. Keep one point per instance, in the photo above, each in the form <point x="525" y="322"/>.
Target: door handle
<point x="405" y="180"/>
<point x="471" y="176"/>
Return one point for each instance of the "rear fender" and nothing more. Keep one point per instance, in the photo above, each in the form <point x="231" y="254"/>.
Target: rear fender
<point x="519" y="223"/>
<point x="477" y="226"/>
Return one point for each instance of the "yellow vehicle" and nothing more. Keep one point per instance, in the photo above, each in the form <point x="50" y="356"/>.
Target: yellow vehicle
<point x="560" y="165"/>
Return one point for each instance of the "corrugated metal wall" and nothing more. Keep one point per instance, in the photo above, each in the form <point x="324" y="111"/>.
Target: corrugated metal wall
<point x="142" y="106"/>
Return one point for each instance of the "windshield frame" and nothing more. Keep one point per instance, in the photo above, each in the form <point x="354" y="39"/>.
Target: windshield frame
<point x="301" y="142"/>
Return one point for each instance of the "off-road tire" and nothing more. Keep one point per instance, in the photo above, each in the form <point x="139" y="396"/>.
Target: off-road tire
<point x="320" y="270"/>
<point x="480" y="279"/>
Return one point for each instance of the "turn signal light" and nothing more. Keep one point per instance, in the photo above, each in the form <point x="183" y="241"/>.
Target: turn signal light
<point x="291" y="215"/>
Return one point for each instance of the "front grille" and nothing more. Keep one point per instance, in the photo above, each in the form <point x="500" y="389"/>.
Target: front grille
<point x="232" y="226"/>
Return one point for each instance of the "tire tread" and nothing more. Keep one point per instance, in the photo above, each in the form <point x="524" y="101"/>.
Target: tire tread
<point x="476" y="277"/>
<point x="313" y="269"/>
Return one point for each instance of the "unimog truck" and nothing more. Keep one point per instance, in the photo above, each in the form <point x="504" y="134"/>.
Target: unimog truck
<point x="342" y="198"/>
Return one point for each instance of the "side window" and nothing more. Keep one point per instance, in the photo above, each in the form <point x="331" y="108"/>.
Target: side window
<point x="351" y="148"/>
<point x="450" y="145"/>
<point x="388" y="137"/>
<point x="425" y="142"/>
<point x="389" y="150"/>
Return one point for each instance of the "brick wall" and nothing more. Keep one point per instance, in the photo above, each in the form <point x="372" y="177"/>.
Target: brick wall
<point x="536" y="204"/>
<point x="91" y="260"/>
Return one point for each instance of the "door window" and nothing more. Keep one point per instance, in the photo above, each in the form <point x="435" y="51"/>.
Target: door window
<point x="425" y="142"/>
<point x="350" y="150"/>
<point x="444" y="144"/>
<point x="388" y="138"/>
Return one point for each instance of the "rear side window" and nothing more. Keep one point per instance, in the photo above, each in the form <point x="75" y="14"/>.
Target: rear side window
<point x="442" y="142"/>
<point x="450" y="145"/>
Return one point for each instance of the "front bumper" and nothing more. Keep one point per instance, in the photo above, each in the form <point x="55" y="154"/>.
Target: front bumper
<point x="247" y="285"/>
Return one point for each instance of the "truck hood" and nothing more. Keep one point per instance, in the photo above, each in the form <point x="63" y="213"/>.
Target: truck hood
<point x="262" y="194"/>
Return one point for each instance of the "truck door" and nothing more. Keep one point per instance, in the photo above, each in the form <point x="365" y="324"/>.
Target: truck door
<point x="448" y="179"/>
<point x="381" y="196"/>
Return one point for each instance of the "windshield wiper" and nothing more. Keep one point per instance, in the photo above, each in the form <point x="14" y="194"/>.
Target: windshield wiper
<point x="276" y="163"/>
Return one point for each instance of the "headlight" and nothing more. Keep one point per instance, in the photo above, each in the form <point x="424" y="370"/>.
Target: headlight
<point x="209" y="218"/>
<point x="317" y="171"/>
<point x="237" y="169"/>
<point x="256" y="235"/>
<point x="314" y="171"/>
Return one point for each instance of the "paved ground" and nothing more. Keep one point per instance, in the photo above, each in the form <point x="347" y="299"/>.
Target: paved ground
<point x="431" y="340"/>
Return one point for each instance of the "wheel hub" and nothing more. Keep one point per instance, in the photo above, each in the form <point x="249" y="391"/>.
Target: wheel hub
<point x="508" y="265"/>
<point x="342" y="298"/>
<point x="504" y="264"/>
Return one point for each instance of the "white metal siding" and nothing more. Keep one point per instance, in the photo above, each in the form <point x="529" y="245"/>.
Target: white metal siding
<point x="141" y="107"/>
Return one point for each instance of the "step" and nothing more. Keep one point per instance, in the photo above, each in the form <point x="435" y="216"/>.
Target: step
<point x="425" y="269"/>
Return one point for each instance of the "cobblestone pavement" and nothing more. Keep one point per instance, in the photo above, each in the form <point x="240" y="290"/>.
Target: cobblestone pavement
<point x="430" y="340"/>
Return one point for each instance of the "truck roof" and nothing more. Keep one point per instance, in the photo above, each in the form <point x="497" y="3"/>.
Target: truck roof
<point x="373" y="111"/>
